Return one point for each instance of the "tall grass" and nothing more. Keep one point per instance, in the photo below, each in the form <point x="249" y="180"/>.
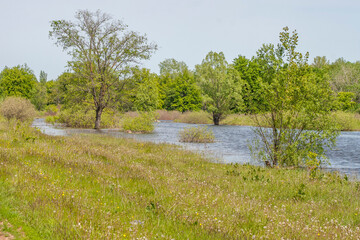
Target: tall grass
<point x="197" y="135"/>
<point x="200" y="117"/>
<point x="91" y="187"/>
<point x="168" y="115"/>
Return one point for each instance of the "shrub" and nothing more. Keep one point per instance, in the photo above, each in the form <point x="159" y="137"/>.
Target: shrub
<point x="51" y="110"/>
<point x="143" y="123"/>
<point x="346" y="121"/>
<point x="17" y="108"/>
<point x="345" y="101"/>
<point x="197" y="135"/>
<point x="51" y="119"/>
<point x="195" y="118"/>
<point x="80" y="118"/>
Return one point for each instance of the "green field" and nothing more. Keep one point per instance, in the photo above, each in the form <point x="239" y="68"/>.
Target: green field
<point x="91" y="187"/>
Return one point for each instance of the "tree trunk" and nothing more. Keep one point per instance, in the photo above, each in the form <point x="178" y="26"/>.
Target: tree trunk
<point x="216" y="118"/>
<point x="98" y="117"/>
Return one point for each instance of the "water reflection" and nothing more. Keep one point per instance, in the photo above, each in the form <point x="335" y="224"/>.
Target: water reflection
<point x="231" y="142"/>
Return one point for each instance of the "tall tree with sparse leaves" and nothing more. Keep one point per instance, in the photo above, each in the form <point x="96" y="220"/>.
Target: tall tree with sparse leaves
<point x="101" y="49"/>
<point x="298" y="100"/>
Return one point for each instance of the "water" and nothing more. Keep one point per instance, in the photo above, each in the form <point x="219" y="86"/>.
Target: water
<point x="231" y="142"/>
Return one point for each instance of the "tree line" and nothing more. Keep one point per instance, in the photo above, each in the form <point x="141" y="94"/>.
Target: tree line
<point x="214" y="85"/>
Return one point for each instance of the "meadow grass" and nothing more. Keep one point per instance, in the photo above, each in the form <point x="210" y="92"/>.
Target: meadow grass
<point x="92" y="187"/>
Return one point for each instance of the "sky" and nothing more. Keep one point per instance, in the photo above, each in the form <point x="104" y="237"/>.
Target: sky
<point x="185" y="30"/>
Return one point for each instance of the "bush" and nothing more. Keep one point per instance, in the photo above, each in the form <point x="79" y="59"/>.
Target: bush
<point x="51" y="119"/>
<point x="197" y="135"/>
<point x="195" y="118"/>
<point x="143" y="123"/>
<point x="51" y="110"/>
<point x="17" y="108"/>
<point x="346" y="121"/>
<point x="80" y="118"/>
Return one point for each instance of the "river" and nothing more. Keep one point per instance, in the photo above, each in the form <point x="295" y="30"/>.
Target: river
<point x="231" y="144"/>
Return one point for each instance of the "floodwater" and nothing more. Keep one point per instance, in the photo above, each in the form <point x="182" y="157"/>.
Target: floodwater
<point x="231" y="144"/>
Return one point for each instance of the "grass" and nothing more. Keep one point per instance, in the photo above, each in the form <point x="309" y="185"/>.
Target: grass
<point x="91" y="187"/>
<point x="197" y="135"/>
<point x="238" y="119"/>
<point x="200" y="117"/>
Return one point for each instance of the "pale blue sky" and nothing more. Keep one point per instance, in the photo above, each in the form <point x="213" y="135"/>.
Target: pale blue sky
<point x="185" y="29"/>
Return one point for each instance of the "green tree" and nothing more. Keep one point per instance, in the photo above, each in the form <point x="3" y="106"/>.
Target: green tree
<point x="142" y="90"/>
<point x="345" y="77"/>
<point x="102" y="50"/>
<point x="39" y="98"/>
<point x="171" y="67"/>
<point x="345" y="101"/>
<point x="298" y="100"/>
<point x="220" y="84"/>
<point x="249" y="70"/>
<point x="182" y="93"/>
<point x="17" y="81"/>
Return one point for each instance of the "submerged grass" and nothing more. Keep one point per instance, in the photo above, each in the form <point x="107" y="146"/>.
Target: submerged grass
<point x="197" y="135"/>
<point x="91" y="187"/>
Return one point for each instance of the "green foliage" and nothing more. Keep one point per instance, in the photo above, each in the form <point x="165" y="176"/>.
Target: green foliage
<point x="83" y="117"/>
<point x="298" y="100"/>
<point x="346" y="121"/>
<point x="181" y="93"/>
<point x="251" y="92"/>
<point x="17" y="108"/>
<point x="345" y="77"/>
<point x="99" y="67"/>
<point x="220" y="84"/>
<point x="197" y="135"/>
<point x="172" y="67"/>
<point x="141" y="91"/>
<point x="313" y="164"/>
<point x="345" y="101"/>
<point x="52" y="119"/>
<point x="143" y="123"/>
<point x="51" y="110"/>
<point x="17" y="81"/>
<point x="39" y="96"/>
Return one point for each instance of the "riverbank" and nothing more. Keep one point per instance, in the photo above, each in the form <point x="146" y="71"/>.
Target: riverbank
<point x="346" y="121"/>
<point x="98" y="187"/>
